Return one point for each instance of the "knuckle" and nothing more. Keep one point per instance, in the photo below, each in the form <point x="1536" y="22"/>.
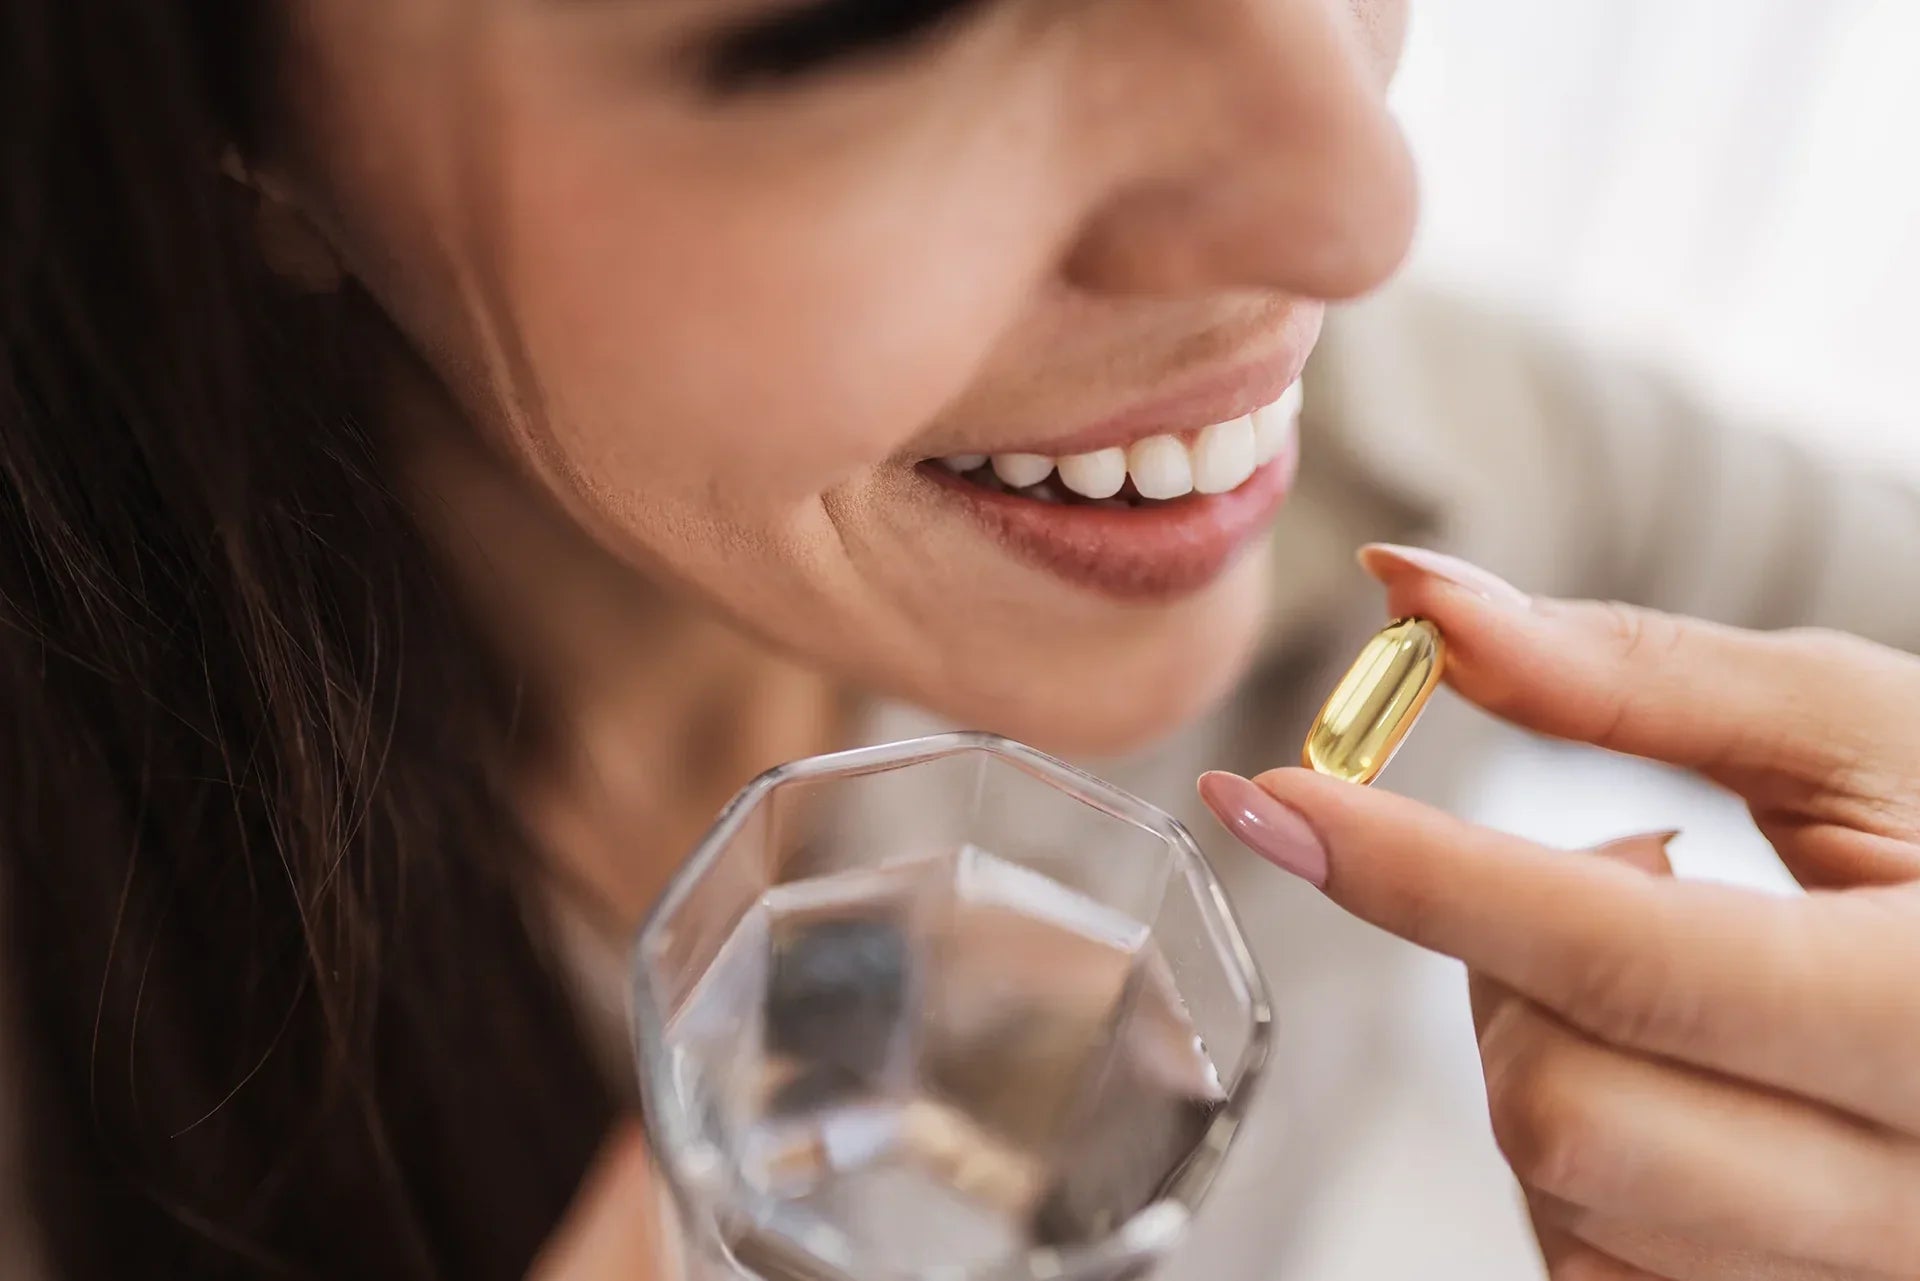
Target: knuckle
<point x="1415" y="909"/>
<point x="1637" y="648"/>
<point x="1640" y="637"/>
<point x="1841" y="721"/>
<point x="1626" y="999"/>
<point x="1634" y="987"/>
<point x="1541" y="1121"/>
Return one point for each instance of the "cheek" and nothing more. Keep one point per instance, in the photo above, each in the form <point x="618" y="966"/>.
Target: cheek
<point x="664" y="301"/>
<point x="775" y="333"/>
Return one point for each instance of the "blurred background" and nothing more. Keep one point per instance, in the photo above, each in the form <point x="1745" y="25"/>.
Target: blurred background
<point x="1728" y="186"/>
<point x="1728" y="189"/>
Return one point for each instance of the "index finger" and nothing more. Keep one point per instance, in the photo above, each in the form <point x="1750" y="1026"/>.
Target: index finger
<point x="1744" y="708"/>
<point x="1767" y="989"/>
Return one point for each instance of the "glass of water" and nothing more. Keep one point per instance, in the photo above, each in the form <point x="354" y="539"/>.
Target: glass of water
<point x="947" y="1009"/>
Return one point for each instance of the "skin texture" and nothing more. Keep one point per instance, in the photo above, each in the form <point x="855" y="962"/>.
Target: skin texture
<point x="1692" y="1081"/>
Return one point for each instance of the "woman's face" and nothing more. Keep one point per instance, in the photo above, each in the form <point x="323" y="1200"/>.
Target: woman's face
<point x="724" y="277"/>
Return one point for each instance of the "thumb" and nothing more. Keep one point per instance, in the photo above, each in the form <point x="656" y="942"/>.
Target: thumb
<point x="611" y="1232"/>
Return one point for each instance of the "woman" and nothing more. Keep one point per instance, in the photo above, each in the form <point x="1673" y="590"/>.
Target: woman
<point x="449" y="446"/>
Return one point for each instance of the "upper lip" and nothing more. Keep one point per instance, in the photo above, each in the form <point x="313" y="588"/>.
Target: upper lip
<point x="1217" y="396"/>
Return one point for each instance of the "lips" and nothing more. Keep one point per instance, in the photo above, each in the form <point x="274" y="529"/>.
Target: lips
<point x="1161" y="516"/>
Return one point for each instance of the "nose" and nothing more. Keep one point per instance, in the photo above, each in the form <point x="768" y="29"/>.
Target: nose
<point x="1256" y="151"/>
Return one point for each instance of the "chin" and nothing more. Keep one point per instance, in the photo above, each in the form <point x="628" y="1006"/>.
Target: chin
<point x="1102" y="691"/>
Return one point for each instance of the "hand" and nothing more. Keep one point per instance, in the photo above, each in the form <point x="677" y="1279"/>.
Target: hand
<point x="611" y="1231"/>
<point x="1693" y="1082"/>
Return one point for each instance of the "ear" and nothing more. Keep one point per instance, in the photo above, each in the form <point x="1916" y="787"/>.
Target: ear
<point x="290" y="242"/>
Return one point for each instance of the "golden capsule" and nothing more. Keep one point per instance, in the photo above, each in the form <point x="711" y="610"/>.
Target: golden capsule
<point x="1377" y="702"/>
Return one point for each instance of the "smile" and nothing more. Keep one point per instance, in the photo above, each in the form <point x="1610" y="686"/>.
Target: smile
<point x="1155" y="517"/>
<point x="1156" y="469"/>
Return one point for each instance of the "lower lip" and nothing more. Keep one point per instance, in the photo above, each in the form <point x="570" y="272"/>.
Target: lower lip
<point x="1145" y="553"/>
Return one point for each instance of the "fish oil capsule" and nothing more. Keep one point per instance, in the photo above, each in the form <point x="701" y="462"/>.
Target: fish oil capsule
<point x="1377" y="702"/>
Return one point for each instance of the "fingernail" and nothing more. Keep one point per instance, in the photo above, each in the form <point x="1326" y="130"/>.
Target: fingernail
<point x="1388" y="560"/>
<point x="1646" y="850"/>
<point x="1276" y="832"/>
<point x="1662" y="838"/>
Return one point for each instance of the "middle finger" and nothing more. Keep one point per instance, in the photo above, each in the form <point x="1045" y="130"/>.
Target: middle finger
<point x="1818" y="716"/>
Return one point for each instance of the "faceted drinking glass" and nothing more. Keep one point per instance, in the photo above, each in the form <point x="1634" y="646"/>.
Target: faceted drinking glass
<point x="944" y="1009"/>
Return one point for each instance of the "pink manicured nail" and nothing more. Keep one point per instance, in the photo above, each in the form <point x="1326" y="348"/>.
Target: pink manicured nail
<point x="1385" y="560"/>
<point x="1274" y="831"/>
<point x="1661" y="839"/>
<point x="1647" y="851"/>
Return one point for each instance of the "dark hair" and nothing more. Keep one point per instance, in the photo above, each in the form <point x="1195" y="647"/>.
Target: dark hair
<point x="274" y="996"/>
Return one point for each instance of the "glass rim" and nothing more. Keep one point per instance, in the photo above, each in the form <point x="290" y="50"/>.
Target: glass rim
<point x="698" y="1175"/>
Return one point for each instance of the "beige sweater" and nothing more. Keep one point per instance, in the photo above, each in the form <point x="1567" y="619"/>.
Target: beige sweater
<point x="1427" y="422"/>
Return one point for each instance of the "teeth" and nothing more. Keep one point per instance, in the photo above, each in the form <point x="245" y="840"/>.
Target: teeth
<point x="1291" y="401"/>
<point x="1161" y="468"/>
<point x="1218" y="460"/>
<point x="1274" y="427"/>
<point x="1270" y="433"/>
<point x="1223" y="457"/>
<point x="1021" y="470"/>
<point x="1100" y="474"/>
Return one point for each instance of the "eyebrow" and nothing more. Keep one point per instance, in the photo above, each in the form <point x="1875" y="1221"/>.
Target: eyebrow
<point x="796" y="39"/>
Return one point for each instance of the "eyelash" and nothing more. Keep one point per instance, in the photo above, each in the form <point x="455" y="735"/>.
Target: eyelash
<point x="821" y="36"/>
